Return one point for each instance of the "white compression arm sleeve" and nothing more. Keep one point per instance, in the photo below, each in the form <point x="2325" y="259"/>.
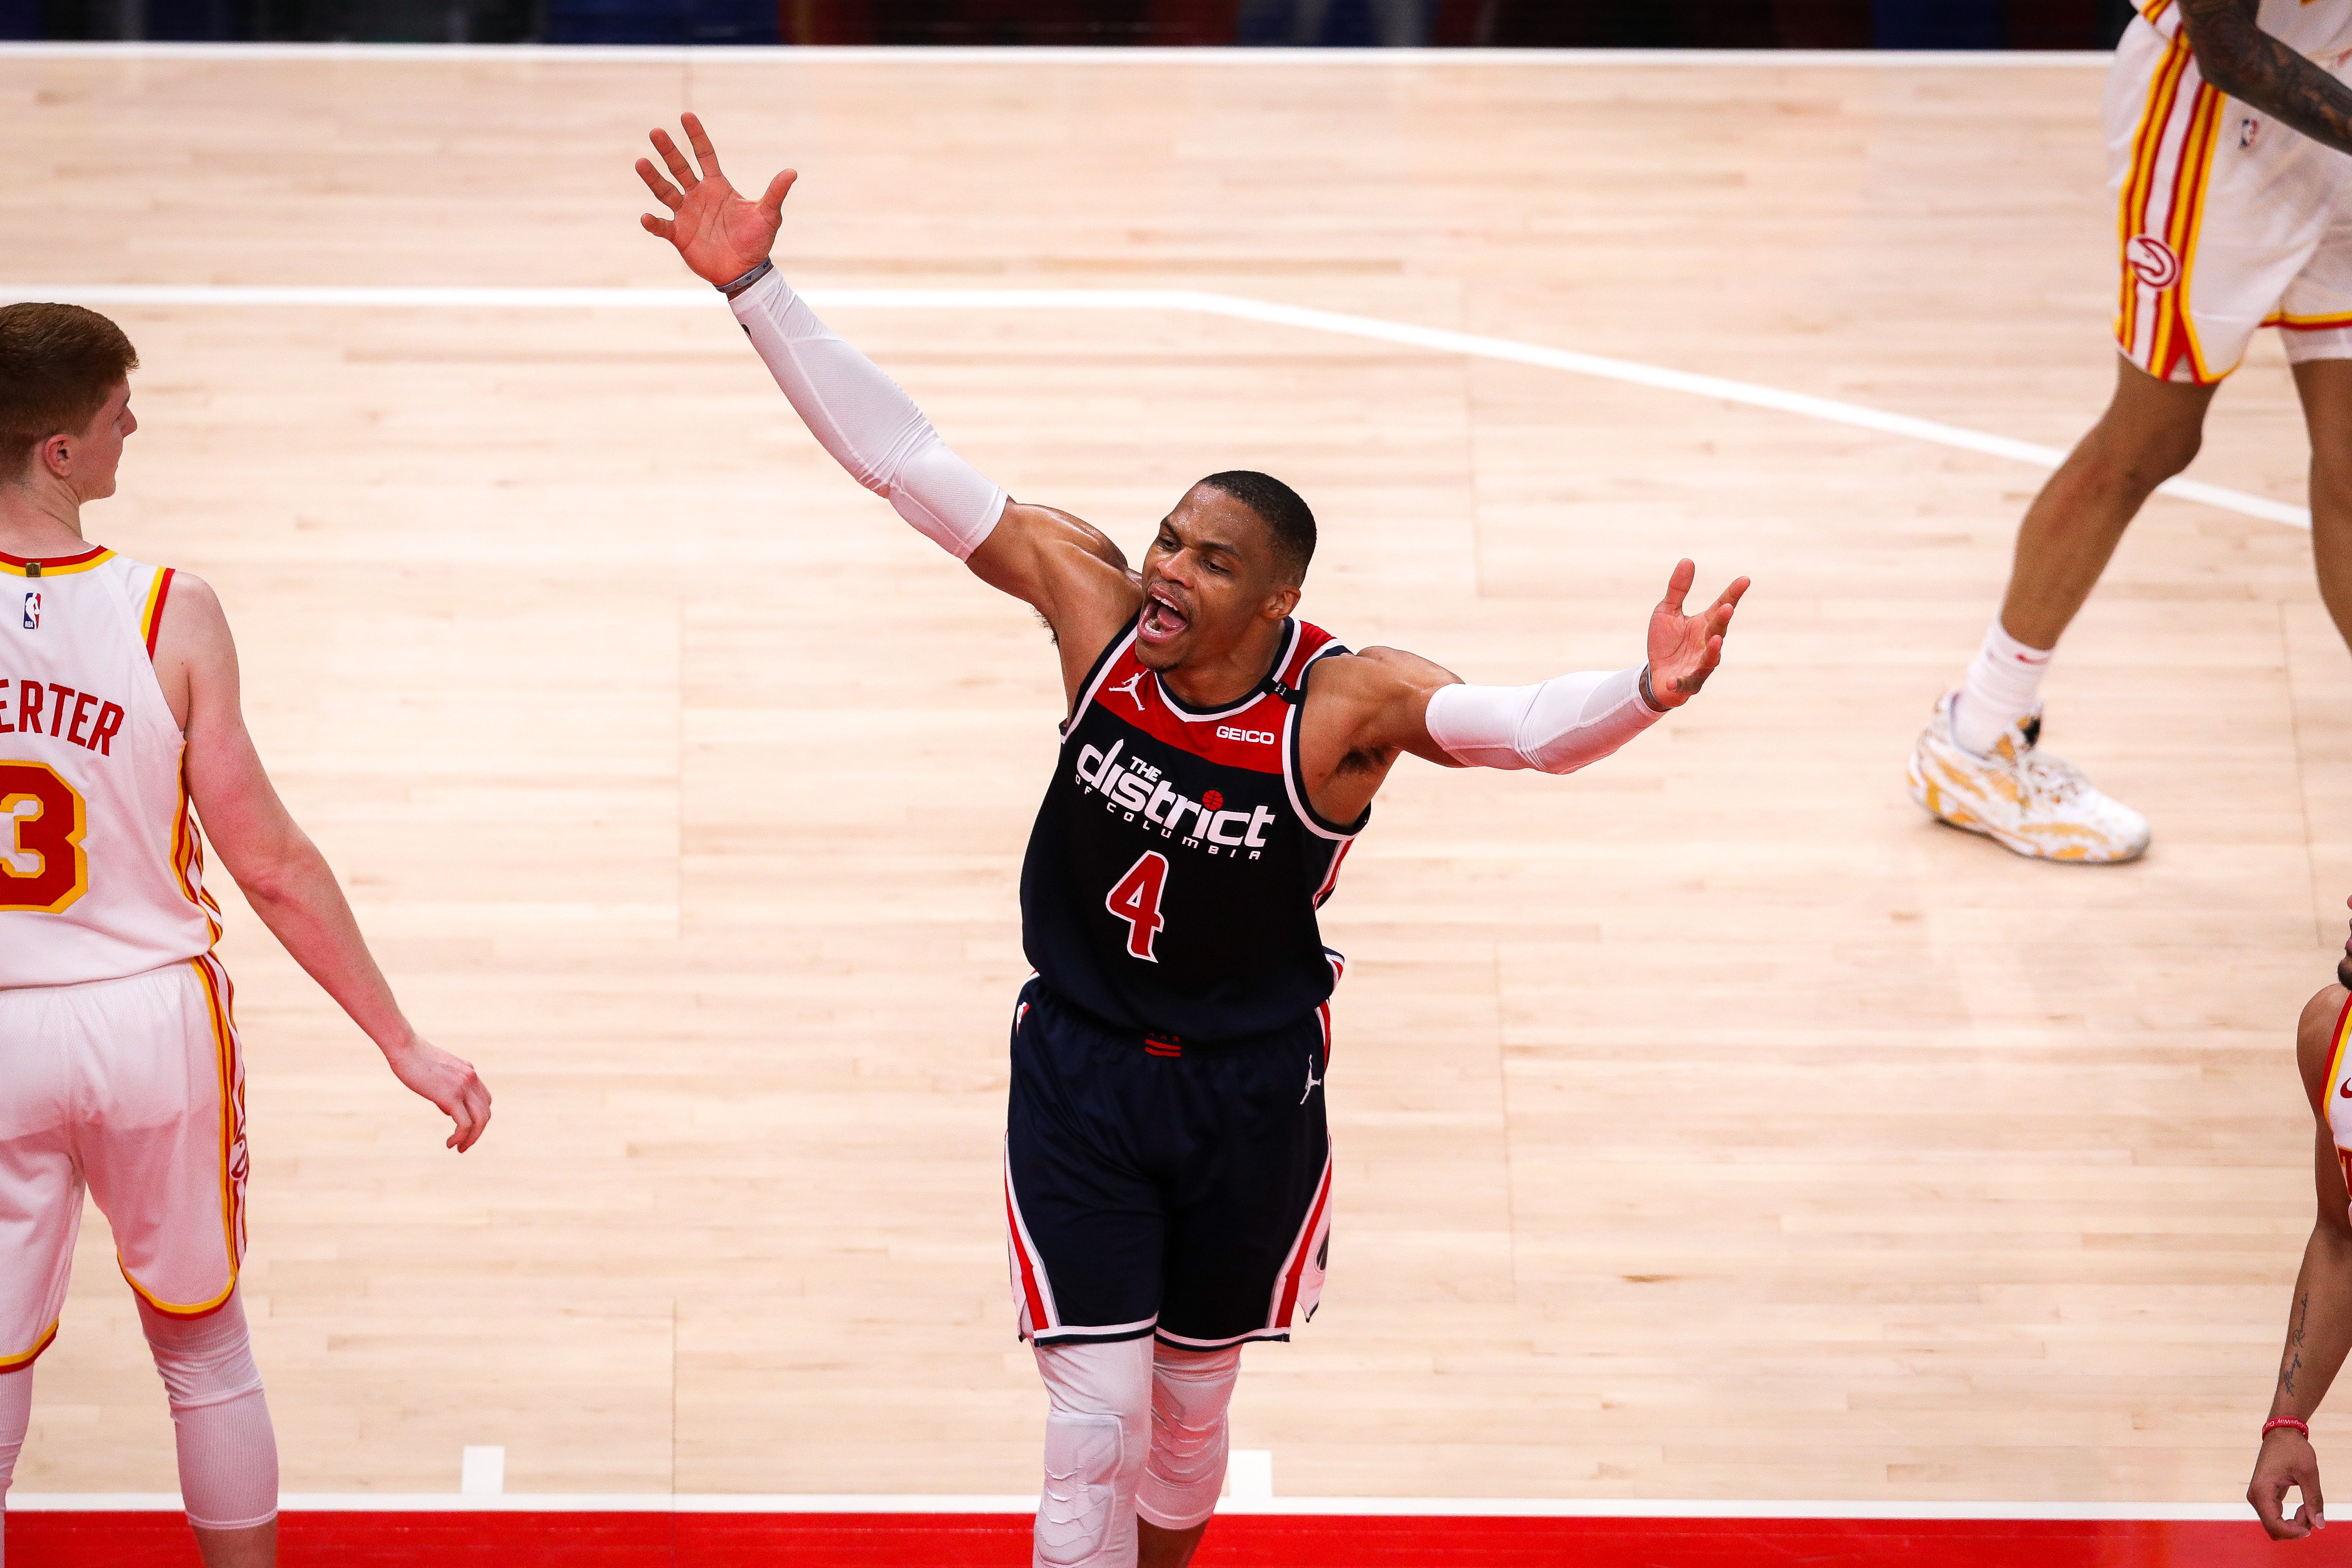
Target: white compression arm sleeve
<point x="1565" y="724"/>
<point x="870" y="425"/>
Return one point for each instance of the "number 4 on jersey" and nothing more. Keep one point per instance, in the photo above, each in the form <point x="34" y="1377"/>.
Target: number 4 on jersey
<point x="1136" y="900"/>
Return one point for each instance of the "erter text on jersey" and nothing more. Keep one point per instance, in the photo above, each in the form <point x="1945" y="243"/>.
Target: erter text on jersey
<point x="1134" y="787"/>
<point x="44" y="707"/>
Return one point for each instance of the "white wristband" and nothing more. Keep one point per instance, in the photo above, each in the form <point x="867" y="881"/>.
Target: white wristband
<point x="1558" y="726"/>
<point x="867" y="421"/>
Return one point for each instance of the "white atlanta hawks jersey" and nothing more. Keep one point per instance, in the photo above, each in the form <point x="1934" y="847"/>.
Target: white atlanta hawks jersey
<point x="2319" y="28"/>
<point x="101" y="870"/>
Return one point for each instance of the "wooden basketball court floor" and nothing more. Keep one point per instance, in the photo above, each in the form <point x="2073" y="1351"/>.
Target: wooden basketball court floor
<point x="1710" y="1125"/>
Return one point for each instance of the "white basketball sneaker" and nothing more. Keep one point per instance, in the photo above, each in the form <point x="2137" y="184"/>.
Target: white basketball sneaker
<point x="2019" y="798"/>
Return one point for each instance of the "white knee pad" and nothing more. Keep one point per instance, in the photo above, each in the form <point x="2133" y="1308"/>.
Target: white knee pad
<point x="1097" y="1433"/>
<point x="203" y="1361"/>
<point x="1190" y="1393"/>
<point x="228" y="1452"/>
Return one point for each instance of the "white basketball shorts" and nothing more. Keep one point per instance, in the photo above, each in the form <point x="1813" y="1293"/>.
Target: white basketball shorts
<point x="2227" y="219"/>
<point x="134" y="1090"/>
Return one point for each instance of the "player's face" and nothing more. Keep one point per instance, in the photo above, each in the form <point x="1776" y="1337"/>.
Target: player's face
<point x="1209" y="577"/>
<point x="98" y="451"/>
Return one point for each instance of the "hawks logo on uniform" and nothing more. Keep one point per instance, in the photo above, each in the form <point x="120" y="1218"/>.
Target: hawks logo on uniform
<point x="2152" y="261"/>
<point x="32" y="612"/>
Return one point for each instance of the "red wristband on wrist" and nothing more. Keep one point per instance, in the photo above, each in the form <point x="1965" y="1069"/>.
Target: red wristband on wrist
<point x="2275" y="1422"/>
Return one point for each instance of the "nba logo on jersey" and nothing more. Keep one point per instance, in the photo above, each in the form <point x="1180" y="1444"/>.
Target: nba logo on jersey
<point x="32" y="612"/>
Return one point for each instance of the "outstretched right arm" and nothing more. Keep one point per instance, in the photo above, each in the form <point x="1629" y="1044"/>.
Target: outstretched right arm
<point x="2319" y="1320"/>
<point x="1067" y="569"/>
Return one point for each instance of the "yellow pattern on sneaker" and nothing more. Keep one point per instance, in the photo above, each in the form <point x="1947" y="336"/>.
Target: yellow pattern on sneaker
<point x="2020" y="799"/>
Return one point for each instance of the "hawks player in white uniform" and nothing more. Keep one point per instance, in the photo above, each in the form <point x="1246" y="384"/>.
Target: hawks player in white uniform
<point x="2228" y="124"/>
<point x="118" y="726"/>
<point x="2319" y="1320"/>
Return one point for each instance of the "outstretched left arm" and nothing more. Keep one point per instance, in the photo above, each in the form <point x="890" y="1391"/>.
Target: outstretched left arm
<point x="1369" y="708"/>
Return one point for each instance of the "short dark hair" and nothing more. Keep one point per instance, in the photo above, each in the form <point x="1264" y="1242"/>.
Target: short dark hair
<point x="59" y="364"/>
<point x="1284" y="511"/>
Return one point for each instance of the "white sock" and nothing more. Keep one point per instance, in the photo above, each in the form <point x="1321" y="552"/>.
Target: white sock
<point x="2003" y="680"/>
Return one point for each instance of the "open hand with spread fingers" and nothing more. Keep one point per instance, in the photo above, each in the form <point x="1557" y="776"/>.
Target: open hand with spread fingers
<point x="1684" y="650"/>
<point x="718" y="234"/>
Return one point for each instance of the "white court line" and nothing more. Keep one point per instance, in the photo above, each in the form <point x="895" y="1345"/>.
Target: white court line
<point x="1234" y="306"/>
<point x="1342" y="1507"/>
<point x="1231" y="55"/>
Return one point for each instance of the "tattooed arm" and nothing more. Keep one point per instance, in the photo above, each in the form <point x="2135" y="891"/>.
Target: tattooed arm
<point x="2319" y="1320"/>
<point x="2251" y="66"/>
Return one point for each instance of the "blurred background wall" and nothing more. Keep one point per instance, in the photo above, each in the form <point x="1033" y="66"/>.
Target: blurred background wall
<point x="1493" y="24"/>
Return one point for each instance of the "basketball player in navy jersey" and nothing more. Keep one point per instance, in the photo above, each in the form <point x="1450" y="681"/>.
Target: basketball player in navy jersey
<point x="1167" y="1168"/>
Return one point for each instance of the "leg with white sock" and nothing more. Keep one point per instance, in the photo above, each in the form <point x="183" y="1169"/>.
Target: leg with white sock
<point x="16" y="1420"/>
<point x="1097" y="1435"/>
<point x="1976" y="766"/>
<point x="2149" y="432"/>
<point x="1191" y="1392"/>
<point x="220" y="1419"/>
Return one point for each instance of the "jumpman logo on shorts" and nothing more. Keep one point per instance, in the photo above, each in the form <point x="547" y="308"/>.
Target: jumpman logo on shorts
<point x="1311" y="1081"/>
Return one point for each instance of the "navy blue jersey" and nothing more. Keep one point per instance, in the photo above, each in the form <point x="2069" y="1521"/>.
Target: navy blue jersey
<point x="1176" y="867"/>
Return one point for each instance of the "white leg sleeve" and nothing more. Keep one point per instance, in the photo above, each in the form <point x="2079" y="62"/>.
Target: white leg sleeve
<point x="1563" y="724"/>
<point x="1190" y="1393"/>
<point x="870" y="425"/>
<point x="15" y="1419"/>
<point x="229" y="1453"/>
<point x="1098" y="1432"/>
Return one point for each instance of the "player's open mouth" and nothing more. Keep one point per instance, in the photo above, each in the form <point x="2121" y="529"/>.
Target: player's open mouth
<point x="1161" y="618"/>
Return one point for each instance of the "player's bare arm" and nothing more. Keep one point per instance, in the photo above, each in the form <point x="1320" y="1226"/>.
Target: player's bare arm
<point x="280" y="870"/>
<point x="2241" y="59"/>
<point x="1065" y="568"/>
<point x="1365" y="710"/>
<point x="2319" y="1314"/>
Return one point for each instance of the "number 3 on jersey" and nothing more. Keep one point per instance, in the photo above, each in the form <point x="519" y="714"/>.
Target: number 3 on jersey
<point x="1136" y="900"/>
<point x="42" y="866"/>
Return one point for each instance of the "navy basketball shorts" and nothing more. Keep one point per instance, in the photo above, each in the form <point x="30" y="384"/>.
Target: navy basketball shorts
<point x="1164" y="1187"/>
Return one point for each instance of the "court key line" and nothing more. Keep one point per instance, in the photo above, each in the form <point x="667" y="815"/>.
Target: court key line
<point x="1233" y="306"/>
<point x="1340" y="1507"/>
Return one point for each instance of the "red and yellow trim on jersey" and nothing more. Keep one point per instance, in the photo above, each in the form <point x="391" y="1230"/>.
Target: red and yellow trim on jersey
<point x="220" y="1001"/>
<point x="2335" y="1052"/>
<point x="151" y="618"/>
<point x="188" y="856"/>
<point x="9" y="1363"/>
<point x="63" y="566"/>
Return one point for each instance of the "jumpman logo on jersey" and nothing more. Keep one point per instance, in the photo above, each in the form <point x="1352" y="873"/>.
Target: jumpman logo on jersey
<point x="1312" y="1081"/>
<point x="1127" y="688"/>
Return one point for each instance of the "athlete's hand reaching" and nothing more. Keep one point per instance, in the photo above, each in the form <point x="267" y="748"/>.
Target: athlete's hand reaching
<point x="1684" y="650"/>
<point x="2287" y="1461"/>
<point x="717" y="234"/>
<point x="449" y="1083"/>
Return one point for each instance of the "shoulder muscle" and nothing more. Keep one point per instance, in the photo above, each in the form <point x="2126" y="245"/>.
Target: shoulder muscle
<point x="2315" y="1042"/>
<point x="193" y="650"/>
